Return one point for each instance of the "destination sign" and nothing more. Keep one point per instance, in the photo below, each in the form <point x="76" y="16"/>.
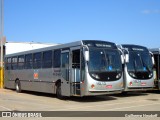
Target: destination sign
<point x="134" y="48"/>
<point x="100" y="44"/>
<point x="138" y="49"/>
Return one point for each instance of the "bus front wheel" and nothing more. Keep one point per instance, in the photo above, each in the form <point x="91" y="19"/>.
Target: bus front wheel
<point x="18" y="86"/>
<point x="58" y="91"/>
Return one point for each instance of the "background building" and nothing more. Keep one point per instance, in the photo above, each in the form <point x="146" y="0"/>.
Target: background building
<point x="14" y="47"/>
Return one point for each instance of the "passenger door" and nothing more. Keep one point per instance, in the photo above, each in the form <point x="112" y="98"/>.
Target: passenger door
<point x="65" y="71"/>
<point x="77" y="71"/>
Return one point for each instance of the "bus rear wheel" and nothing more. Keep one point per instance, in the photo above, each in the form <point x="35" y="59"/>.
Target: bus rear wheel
<point x="18" y="86"/>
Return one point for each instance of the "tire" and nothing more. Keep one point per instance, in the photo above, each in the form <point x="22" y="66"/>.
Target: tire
<point x="124" y="93"/>
<point x="58" y="92"/>
<point x="18" y="86"/>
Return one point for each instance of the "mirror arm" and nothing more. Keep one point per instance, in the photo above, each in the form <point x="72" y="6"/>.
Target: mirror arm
<point x="86" y="53"/>
<point x="152" y="57"/>
<point x="122" y="55"/>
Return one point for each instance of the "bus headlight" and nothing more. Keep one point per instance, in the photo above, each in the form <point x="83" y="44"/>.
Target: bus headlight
<point x="95" y="76"/>
<point x="150" y="75"/>
<point x="132" y="74"/>
<point x="118" y="76"/>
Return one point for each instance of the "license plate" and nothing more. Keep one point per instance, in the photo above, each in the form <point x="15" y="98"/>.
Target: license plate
<point x="108" y="86"/>
<point x="143" y="84"/>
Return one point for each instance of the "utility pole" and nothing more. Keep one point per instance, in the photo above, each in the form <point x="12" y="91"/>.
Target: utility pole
<point x="2" y="43"/>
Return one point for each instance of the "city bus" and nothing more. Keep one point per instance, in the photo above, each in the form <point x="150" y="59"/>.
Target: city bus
<point x="82" y="68"/>
<point x="138" y="68"/>
<point x="156" y="54"/>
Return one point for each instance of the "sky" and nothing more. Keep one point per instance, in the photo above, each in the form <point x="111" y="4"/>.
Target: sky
<point x="64" y="21"/>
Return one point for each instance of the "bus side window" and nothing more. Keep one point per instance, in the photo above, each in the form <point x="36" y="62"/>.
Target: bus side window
<point x="14" y="63"/>
<point x="37" y="60"/>
<point x="47" y="59"/>
<point x="21" y="62"/>
<point x="28" y="61"/>
<point x="57" y="58"/>
<point x="158" y="66"/>
<point x="8" y="63"/>
<point x="76" y="59"/>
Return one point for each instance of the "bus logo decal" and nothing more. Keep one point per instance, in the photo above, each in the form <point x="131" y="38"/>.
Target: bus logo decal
<point x="35" y="75"/>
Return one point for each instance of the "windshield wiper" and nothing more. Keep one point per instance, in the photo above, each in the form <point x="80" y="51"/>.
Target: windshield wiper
<point x="135" y="66"/>
<point x="144" y="65"/>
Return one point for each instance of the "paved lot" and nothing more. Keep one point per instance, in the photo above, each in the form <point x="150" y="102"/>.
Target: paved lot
<point x="33" y="101"/>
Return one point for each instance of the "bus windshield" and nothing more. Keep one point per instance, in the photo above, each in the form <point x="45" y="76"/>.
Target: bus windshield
<point x="104" y="63"/>
<point x="140" y="62"/>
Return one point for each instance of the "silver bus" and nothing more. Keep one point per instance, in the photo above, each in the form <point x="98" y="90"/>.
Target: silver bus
<point x="156" y="54"/>
<point x="138" y="68"/>
<point x="82" y="68"/>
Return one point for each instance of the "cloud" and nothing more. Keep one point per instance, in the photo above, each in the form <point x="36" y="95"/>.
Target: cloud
<point x="157" y="11"/>
<point x="151" y="11"/>
<point x="146" y="11"/>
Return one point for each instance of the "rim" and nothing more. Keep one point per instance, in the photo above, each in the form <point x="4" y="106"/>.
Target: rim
<point x="17" y="87"/>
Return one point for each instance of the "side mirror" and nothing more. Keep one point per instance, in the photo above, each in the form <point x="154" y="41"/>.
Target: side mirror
<point x="122" y="59"/>
<point x="86" y="55"/>
<point x="121" y="53"/>
<point x="153" y="60"/>
<point x="127" y="58"/>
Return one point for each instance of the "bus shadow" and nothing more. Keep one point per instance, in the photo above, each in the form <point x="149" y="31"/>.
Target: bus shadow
<point x="153" y="91"/>
<point x="72" y="98"/>
<point x="91" y="98"/>
<point x="41" y="94"/>
<point x="131" y="94"/>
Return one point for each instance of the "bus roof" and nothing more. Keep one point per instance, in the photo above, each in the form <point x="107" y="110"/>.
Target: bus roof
<point x="155" y="50"/>
<point x="16" y="47"/>
<point x="100" y="43"/>
<point x="61" y="46"/>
